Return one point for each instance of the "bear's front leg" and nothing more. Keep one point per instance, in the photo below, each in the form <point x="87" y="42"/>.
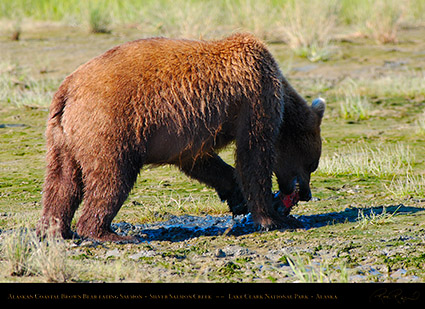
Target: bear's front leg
<point x="255" y="142"/>
<point x="254" y="166"/>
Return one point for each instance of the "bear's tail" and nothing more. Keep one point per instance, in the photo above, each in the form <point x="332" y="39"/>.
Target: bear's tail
<point x="62" y="190"/>
<point x="58" y="104"/>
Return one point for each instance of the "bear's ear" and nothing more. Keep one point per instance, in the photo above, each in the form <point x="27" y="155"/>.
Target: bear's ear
<point x="319" y="106"/>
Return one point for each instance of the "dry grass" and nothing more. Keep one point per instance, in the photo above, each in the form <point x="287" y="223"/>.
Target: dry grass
<point x="420" y="124"/>
<point x="365" y="221"/>
<point x="394" y="173"/>
<point x="259" y="17"/>
<point x="307" y="27"/>
<point x="16" y="252"/>
<point x="307" y="271"/>
<point x="382" y="22"/>
<point x="18" y="87"/>
<point x="406" y="186"/>
<point x="99" y="20"/>
<point x="410" y="85"/>
<point x="353" y="106"/>
<point x="381" y="161"/>
<point x="24" y="254"/>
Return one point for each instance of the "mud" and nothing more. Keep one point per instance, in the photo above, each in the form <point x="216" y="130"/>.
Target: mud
<point x="180" y="228"/>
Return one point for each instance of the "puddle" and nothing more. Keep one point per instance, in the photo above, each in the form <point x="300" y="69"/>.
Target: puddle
<point x="179" y="228"/>
<point x="12" y="125"/>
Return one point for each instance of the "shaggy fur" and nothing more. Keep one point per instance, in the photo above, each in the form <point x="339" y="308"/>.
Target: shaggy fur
<point x="163" y="101"/>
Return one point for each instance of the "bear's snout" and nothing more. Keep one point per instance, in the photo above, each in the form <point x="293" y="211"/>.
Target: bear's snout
<point x="304" y="189"/>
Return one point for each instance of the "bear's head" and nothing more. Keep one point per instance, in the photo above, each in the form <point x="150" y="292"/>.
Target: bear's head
<point x="299" y="147"/>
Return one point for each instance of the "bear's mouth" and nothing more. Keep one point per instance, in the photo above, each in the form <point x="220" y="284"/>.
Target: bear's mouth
<point x="297" y="185"/>
<point x="283" y="203"/>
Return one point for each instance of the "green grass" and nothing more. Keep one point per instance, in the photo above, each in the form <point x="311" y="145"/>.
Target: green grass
<point x="99" y="20"/>
<point x="364" y="161"/>
<point x="364" y="221"/>
<point x="307" y="272"/>
<point x="372" y="153"/>
<point x="420" y="124"/>
<point x="353" y="105"/>
<point x="407" y="186"/>
<point x="308" y="27"/>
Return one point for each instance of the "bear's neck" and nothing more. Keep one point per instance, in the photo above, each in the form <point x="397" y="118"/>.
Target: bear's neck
<point x="297" y="115"/>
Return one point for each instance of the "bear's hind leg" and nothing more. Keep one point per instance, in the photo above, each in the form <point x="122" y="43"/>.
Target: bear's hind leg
<point x="105" y="191"/>
<point x="214" y="172"/>
<point x="62" y="193"/>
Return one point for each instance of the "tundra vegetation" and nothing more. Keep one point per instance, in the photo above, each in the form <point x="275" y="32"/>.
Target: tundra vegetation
<point x="366" y="221"/>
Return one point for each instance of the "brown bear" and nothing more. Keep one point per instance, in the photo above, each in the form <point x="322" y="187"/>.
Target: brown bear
<point x="173" y="101"/>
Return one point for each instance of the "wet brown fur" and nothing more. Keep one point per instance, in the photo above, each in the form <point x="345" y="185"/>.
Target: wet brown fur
<point x="164" y="101"/>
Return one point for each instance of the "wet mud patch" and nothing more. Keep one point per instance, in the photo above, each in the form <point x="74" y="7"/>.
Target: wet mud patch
<point x="181" y="228"/>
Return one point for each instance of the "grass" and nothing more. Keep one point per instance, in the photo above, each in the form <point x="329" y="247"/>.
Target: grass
<point x="162" y="205"/>
<point x="382" y="21"/>
<point x="21" y="89"/>
<point x="16" y="252"/>
<point x="407" y="186"/>
<point x="364" y="221"/>
<point x="373" y="137"/>
<point x="23" y="254"/>
<point x="353" y="106"/>
<point x="407" y="86"/>
<point x="308" y="27"/>
<point x="99" y="20"/>
<point x="383" y="161"/>
<point x="420" y="125"/>
<point x="307" y="271"/>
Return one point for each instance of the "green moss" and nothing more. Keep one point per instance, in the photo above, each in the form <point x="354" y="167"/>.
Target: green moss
<point x="164" y="191"/>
